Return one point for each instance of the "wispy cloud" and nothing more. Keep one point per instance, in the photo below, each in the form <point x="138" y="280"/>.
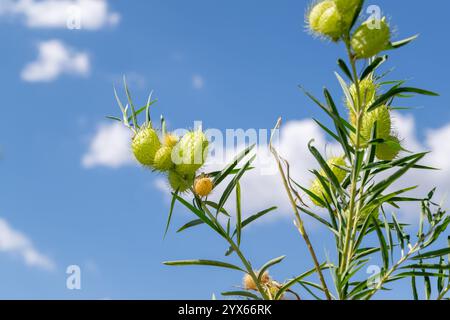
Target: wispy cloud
<point x="15" y="242"/>
<point x="261" y="189"/>
<point x="54" y="59"/>
<point x="109" y="147"/>
<point x="198" y="82"/>
<point x="89" y="14"/>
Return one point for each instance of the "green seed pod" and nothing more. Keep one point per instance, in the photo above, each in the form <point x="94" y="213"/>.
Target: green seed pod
<point x="367" y="91"/>
<point x="145" y="144"/>
<point x="370" y="209"/>
<point x="324" y="19"/>
<point x="182" y="183"/>
<point x="382" y="117"/>
<point x="334" y="164"/>
<point x="316" y="186"/>
<point x="347" y="9"/>
<point x="371" y="38"/>
<point x="190" y="152"/>
<point x="163" y="159"/>
<point x="389" y="149"/>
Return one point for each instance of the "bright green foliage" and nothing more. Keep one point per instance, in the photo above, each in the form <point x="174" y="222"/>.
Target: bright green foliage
<point x="356" y="191"/>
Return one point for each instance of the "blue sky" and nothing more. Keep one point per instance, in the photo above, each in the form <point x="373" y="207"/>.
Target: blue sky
<point x="231" y="64"/>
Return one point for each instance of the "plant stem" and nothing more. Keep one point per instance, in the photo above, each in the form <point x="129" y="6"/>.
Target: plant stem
<point x="241" y="256"/>
<point x="249" y="268"/>
<point x="392" y="270"/>
<point x="299" y="222"/>
<point x="443" y="293"/>
<point x="347" y="252"/>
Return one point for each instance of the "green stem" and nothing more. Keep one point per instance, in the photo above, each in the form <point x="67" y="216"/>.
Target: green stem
<point x="392" y="270"/>
<point x="347" y="252"/>
<point x="443" y="293"/>
<point x="241" y="256"/>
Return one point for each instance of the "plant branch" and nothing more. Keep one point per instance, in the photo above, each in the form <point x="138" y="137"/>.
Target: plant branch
<point x="443" y="293"/>
<point x="347" y="251"/>
<point x="299" y="222"/>
<point x="241" y="256"/>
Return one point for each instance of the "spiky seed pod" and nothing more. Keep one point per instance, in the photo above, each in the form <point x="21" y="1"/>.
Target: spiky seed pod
<point x="249" y="284"/>
<point x="367" y="92"/>
<point x="363" y="214"/>
<point x="317" y="188"/>
<point x="203" y="186"/>
<point x="182" y="183"/>
<point x="381" y="116"/>
<point x="389" y="149"/>
<point x="145" y="144"/>
<point x="190" y="152"/>
<point x="347" y="9"/>
<point x="163" y="159"/>
<point x="372" y="37"/>
<point x="335" y="163"/>
<point x="324" y="19"/>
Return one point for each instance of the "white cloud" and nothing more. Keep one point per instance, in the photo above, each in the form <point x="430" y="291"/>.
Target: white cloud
<point x="198" y="82"/>
<point x="15" y="242"/>
<point x="55" y="59"/>
<point x="110" y="147"/>
<point x="260" y="190"/>
<point x="83" y="14"/>
<point x="262" y="187"/>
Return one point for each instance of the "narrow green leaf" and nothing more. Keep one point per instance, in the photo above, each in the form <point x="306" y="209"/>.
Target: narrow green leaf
<point x="414" y="288"/>
<point x="130" y="102"/>
<point x="383" y="245"/>
<point x="433" y="266"/>
<point x="375" y="64"/>
<point x="384" y="98"/>
<point x="383" y="185"/>
<point x="212" y="263"/>
<point x="244" y="294"/>
<point x="227" y="192"/>
<point x="345" y="69"/>
<point x="238" y="214"/>
<point x="267" y="265"/>
<point x="190" y="224"/>
<point x="226" y="171"/>
<point x="295" y="280"/>
<point x="114" y="118"/>
<point x="401" y="43"/>
<point x="432" y="254"/>
<point x="200" y="214"/>
<point x="169" y="217"/>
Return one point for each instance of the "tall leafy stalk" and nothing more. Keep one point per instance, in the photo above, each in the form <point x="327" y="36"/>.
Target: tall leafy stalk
<point x="350" y="196"/>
